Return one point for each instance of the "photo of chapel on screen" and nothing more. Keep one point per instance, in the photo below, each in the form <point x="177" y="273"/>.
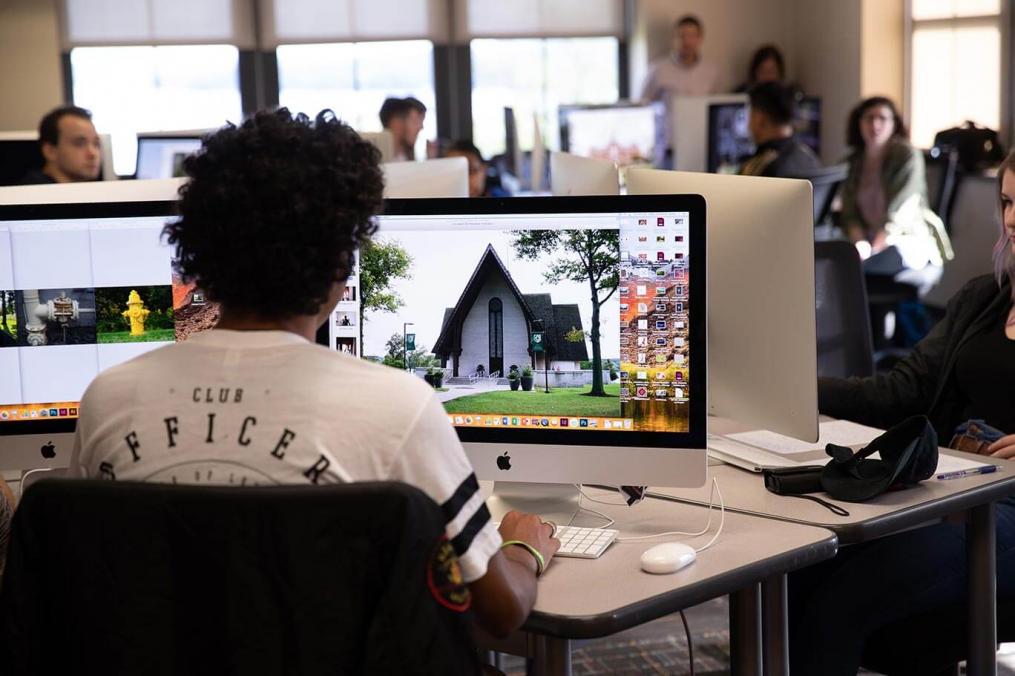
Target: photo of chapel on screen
<point x="493" y="319"/>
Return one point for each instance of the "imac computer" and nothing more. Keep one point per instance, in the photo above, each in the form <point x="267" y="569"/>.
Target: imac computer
<point x="729" y="139"/>
<point x="542" y="383"/>
<point x="627" y="135"/>
<point x="446" y="177"/>
<point x="161" y="156"/>
<point x="808" y="122"/>
<point x="571" y="175"/>
<point x="382" y="140"/>
<point x="762" y="348"/>
<point x="101" y="191"/>
<point x="689" y="117"/>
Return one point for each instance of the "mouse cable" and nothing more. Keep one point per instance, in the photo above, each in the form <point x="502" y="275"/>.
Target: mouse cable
<point x="711" y="504"/>
<point x="690" y="643"/>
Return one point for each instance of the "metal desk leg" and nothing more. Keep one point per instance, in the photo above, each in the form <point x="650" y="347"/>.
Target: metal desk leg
<point x="745" y="631"/>
<point x="981" y="547"/>
<point x="775" y="626"/>
<point x="552" y="656"/>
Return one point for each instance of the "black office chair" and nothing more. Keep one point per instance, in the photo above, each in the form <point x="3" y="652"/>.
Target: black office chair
<point x="825" y="184"/>
<point x="126" y="578"/>
<point x="944" y="176"/>
<point x="843" y="324"/>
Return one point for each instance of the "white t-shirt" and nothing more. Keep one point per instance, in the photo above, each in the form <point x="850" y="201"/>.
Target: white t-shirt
<point x="268" y="407"/>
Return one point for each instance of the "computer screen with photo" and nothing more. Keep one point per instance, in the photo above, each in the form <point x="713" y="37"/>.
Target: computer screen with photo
<point x="624" y="134"/>
<point x="493" y="308"/>
<point x="162" y="156"/>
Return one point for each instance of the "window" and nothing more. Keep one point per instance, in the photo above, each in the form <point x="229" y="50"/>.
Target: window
<point x="496" y="308"/>
<point x="535" y="76"/>
<point x="354" y="78"/>
<point x="955" y="72"/>
<point x="132" y="89"/>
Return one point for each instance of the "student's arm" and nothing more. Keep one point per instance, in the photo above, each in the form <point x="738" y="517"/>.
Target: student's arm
<point x="504" y="597"/>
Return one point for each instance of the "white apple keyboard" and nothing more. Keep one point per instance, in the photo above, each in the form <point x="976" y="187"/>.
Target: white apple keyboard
<point x="584" y="543"/>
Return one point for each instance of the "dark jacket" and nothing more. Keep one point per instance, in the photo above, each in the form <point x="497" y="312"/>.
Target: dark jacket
<point x="782" y="158"/>
<point x="924" y="382"/>
<point x="36" y="177"/>
<point x="110" y="577"/>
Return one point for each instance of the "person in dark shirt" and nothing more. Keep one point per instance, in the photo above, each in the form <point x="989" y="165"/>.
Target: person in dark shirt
<point x="70" y="148"/>
<point x="960" y="371"/>
<point x="779" y="153"/>
<point x="483" y="180"/>
<point x="767" y="65"/>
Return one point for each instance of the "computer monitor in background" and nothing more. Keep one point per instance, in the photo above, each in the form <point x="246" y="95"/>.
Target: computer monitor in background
<point x="809" y="122"/>
<point x="512" y="148"/>
<point x="20" y="154"/>
<point x="729" y="139"/>
<point x="761" y="328"/>
<point x="537" y="158"/>
<point x="382" y="140"/>
<point x="66" y="276"/>
<point x="161" y="156"/>
<point x="496" y="288"/>
<point x="689" y="128"/>
<point x="571" y="175"/>
<point x="100" y="191"/>
<point x="626" y="134"/>
<point x="445" y="177"/>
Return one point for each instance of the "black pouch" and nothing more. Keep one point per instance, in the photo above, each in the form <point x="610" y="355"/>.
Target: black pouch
<point x="793" y="480"/>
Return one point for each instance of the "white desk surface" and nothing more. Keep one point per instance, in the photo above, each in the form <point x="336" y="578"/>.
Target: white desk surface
<point x="582" y="598"/>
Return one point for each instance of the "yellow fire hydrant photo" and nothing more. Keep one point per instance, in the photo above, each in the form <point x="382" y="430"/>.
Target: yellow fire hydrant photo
<point x="136" y="313"/>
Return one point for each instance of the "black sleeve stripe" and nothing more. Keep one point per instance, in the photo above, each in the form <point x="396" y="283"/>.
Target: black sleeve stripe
<point x="463" y="540"/>
<point x="462" y="494"/>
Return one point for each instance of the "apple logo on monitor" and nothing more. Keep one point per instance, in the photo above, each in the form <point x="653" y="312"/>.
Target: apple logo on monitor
<point x="504" y="461"/>
<point x="48" y="450"/>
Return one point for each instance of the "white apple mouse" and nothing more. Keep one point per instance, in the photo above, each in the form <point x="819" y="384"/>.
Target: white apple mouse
<point x="668" y="557"/>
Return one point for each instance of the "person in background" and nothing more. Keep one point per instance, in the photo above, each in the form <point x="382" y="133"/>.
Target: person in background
<point x="298" y="198"/>
<point x="483" y="181"/>
<point x="404" y="119"/>
<point x="884" y="199"/>
<point x="779" y="153"/>
<point x="959" y="372"/>
<point x="70" y="148"/>
<point x="684" y="72"/>
<point x="767" y="65"/>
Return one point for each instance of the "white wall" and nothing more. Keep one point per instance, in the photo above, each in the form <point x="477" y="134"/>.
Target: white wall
<point x="31" y="82"/>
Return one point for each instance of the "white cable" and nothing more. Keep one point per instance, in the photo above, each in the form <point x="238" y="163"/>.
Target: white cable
<point x="722" y="518"/>
<point x="708" y="522"/>
<point x="581" y="494"/>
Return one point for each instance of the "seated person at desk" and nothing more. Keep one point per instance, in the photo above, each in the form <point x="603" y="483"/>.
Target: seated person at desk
<point x="404" y="119"/>
<point x="683" y="72"/>
<point x="779" y="153"/>
<point x="255" y="396"/>
<point x="70" y="148"/>
<point x="483" y="180"/>
<point x="884" y="200"/>
<point x="955" y="374"/>
<point x="767" y="65"/>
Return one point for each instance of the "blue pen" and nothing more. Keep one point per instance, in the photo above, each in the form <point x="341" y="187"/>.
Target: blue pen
<point x="986" y="469"/>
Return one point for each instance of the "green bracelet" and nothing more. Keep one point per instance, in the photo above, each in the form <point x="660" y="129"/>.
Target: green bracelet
<point x="540" y="562"/>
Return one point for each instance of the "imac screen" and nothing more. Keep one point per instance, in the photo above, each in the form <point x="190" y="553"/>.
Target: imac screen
<point x="627" y="135"/>
<point x="729" y="140"/>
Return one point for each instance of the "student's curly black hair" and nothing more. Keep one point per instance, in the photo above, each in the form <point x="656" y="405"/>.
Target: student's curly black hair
<point x="274" y="210"/>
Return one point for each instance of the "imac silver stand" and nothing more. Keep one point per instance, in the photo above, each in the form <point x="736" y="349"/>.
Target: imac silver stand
<point x="552" y="502"/>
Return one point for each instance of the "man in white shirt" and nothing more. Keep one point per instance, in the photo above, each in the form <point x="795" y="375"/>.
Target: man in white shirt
<point x="268" y="226"/>
<point x="684" y="72"/>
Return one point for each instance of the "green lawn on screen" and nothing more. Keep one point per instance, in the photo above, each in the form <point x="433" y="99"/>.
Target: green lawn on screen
<point x="155" y="335"/>
<point x="569" y="401"/>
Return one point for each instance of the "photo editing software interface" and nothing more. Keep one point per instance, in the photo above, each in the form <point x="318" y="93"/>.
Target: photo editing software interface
<point x="561" y="321"/>
<point x="568" y="321"/>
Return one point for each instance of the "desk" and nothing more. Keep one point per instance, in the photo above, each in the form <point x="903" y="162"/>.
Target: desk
<point x="582" y="599"/>
<point x="891" y="513"/>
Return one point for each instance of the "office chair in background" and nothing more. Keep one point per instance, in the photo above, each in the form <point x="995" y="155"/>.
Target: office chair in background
<point x="843" y="324"/>
<point x="107" y="577"/>
<point x="825" y="184"/>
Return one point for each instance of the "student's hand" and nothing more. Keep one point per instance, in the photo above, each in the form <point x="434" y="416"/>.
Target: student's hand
<point x="532" y="530"/>
<point x="1003" y="448"/>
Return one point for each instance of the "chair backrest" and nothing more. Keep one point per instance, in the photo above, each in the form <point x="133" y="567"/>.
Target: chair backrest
<point x="944" y="175"/>
<point x="115" y="577"/>
<point x="825" y="184"/>
<point x="843" y="322"/>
